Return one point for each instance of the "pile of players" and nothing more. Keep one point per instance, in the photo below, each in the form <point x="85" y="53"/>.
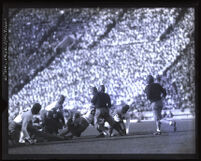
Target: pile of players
<point x="41" y="124"/>
<point x="54" y="125"/>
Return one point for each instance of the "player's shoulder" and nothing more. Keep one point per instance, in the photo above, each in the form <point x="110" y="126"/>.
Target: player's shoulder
<point x="148" y="86"/>
<point x="106" y="95"/>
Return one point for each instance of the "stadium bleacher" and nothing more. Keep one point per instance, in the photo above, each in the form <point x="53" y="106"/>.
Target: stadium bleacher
<point x="114" y="47"/>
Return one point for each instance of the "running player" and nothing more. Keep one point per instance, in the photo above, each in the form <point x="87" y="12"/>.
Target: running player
<point x="155" y="92"/>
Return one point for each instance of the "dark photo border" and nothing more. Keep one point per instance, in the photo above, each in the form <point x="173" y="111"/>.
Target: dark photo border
<point x="102" y="3"/>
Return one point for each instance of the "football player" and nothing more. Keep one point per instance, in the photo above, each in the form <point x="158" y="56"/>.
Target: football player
<point x="155" y="93"/>
<point x="20" y="127"/>
<point x="77" y="124"/>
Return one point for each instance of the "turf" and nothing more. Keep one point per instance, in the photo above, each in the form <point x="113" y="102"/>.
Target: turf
<point x="139" y="141"/>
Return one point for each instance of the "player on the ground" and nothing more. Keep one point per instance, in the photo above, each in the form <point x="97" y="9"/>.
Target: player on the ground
<point x="53" y="115"/>
<point x="121" y="115"/>
<point x="155" y="92"/>
<point x="58" y="113"/>
<point x="77" y="124"/>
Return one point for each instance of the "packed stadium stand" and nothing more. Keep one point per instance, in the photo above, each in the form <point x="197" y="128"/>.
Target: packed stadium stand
<point x="68" y="51"/>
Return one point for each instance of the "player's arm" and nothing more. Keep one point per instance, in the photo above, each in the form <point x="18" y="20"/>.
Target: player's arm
<point x="94" y="99"/>
<point x="147" y="92"/>
<point x="117" y="116"/>
<point x="61" y="118"/>
<point x="163" y="92"/>
<point x="64" y="132"/>
<point x="109" y="101"/>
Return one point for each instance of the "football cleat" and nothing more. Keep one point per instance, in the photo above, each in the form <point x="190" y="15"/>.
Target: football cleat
<point x="157" y="133"/>
<point x="100" y="136"/>
<point x="29" y="141"/>
<point x="111" y="134"/>
<point x="22" y="141"/>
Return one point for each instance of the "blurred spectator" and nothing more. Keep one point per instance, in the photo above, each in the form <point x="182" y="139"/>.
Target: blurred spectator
<point x="119" y="55"/>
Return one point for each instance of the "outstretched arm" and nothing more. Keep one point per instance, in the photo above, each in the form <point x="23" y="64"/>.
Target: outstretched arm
<point x="109" y="102"/>
<point x="164" y="92"/>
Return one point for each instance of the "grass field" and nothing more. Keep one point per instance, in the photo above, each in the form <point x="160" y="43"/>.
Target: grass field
<point x="139" y="141"/>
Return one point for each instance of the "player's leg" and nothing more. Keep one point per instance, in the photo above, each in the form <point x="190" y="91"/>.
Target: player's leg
<point x="111" y="131"/>
<point x="157" y="109"/>
<point x="173" y="124"/>
<point x="156" y="115"/>
<point x="101" y="128"/>
<point x="169" y="122"/>
<point x="82" y="127"/>
<point x="113" y="124"/>
<point x="123" y="126"/>
<point x="127" y="125"/>
<point x="64" y="131"/>
<point x="96" y="117"/>
<point x="14" y="131"/>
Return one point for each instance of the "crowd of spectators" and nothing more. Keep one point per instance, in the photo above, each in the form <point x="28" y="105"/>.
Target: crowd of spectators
<point x="122" y="57"/>
<point x="27" y="29"/>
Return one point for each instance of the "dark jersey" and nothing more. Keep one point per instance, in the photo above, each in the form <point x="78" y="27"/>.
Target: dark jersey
<point x="50" y="125"/>
<point x="58" y="115"/>
<point x="154" y="91"/>
<point x="60" y="119"/>
<point x="101" y="100"/>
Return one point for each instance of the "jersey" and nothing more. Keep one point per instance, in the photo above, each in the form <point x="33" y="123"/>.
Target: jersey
<point x="101" y="100"/>
<point x="23" y="119"/>
<point x="154" y="91"/>
<point x="89" y="117"/>
<point x="43" y="113"/>
<point x="119" y="117"/>
<point x="25" y="114"/>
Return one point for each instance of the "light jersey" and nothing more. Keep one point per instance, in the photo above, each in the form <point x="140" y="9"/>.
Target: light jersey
<point x="22" y="115"/>
<point x="89" y="117"/>
<point x="119" y="115"/>
<point x="44" y="111"/>
<point x="127" y="116"/>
